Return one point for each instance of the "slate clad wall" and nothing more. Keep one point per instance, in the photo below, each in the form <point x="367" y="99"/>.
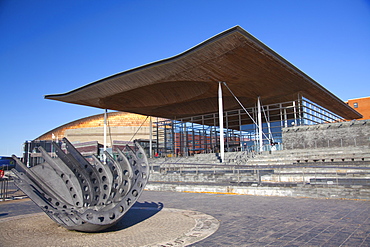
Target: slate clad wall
<point x="343" y="134"/>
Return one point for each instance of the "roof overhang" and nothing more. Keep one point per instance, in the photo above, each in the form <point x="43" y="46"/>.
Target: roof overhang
<point x="186" y="85"/>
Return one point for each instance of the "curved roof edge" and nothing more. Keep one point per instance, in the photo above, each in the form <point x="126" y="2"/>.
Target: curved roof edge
<point x="350" y="111"/>
<point x="155" y="63"/>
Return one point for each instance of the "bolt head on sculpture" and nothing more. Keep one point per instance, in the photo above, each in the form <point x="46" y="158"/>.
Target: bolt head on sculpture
<point x="84" y="196"/>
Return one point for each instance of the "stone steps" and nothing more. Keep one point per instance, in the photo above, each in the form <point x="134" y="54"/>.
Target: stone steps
<point x="331" y="156"/>
<point x="276" y="174"/>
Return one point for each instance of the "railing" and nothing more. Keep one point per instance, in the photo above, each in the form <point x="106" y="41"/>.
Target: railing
<point x="231" y="158"/>
<point x="8" y="190"/>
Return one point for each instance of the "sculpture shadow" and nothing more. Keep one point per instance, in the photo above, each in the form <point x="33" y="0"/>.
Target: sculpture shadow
<point x="138" y="213"/>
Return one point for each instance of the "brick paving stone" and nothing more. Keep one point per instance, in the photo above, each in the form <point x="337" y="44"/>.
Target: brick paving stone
<point x="139" y="227"/>
<point x="296" y="221"/>
<point x="268" y="221"/>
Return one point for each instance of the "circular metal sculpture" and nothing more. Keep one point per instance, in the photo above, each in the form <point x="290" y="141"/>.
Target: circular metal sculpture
<point x="85" y="196"/>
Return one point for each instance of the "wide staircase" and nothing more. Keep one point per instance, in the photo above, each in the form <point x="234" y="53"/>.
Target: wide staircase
<point x="343" y="168"/>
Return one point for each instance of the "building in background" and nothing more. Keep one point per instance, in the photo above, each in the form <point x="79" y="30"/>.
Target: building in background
<point x="87" y="135"/>
<point x="121" y="126"/>
<point x="227" y="93"/>
<point x="362" y="105"/>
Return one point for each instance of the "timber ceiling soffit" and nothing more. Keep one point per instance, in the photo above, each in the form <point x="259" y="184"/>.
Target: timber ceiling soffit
<point x="186" y="84"/>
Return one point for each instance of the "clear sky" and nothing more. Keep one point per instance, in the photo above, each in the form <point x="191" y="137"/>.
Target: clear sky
<point x="54" y="46"/>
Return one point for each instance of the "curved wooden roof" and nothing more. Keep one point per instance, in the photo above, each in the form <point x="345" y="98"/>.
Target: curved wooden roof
<point x="186" y="85"/>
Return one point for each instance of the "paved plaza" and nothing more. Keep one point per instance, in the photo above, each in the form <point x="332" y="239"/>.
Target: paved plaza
<point x="243" y="220"/>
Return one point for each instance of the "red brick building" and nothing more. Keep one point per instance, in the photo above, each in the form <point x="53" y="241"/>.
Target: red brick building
<point x="362" y="105"/>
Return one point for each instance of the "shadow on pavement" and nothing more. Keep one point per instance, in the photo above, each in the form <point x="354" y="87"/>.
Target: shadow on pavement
<point x="138" y="213"/>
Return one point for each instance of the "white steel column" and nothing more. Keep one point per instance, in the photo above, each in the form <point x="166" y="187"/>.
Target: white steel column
<point x="105" y="135"/>
<point x="105" y="130"/>
<point x="259" y="125"/>
<point x="300" y="114"/>
<point x="295" y="113"/>
<point x="150" y="137"/>
<point x="221" y="122"/>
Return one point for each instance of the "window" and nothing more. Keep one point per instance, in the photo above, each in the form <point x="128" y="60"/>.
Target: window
<point x="355" y="105"/>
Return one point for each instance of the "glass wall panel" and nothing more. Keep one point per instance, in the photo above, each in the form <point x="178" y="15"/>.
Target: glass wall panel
<point x="201" y="134"/>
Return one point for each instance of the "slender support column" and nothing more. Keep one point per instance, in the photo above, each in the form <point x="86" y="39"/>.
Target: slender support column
<point x="295" y="113"/>
<point x="300" y="117"/>
<point x="221" y="122"/>
<point x="150" y="137"/>
<point x="157" y="139"/>
<point x="29" y="154"/>
<point x="186" y="153"/>
<point x="192" y="135"/>
<point x="165" y="138"/>
<point x="267" y="117"/>
<point x="173" y="144"/>
<point x="105" y="135"/>
<point x="285" y="118"/>
<point x="259" y="125"/>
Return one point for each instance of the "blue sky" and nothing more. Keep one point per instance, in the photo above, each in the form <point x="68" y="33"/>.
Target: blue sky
<point x="53" y="46"/>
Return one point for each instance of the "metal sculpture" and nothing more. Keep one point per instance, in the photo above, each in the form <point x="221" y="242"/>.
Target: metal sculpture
<point x="84" y="196"/>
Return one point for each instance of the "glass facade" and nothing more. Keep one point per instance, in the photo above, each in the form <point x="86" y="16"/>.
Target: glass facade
<point x="201" y="134"/>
